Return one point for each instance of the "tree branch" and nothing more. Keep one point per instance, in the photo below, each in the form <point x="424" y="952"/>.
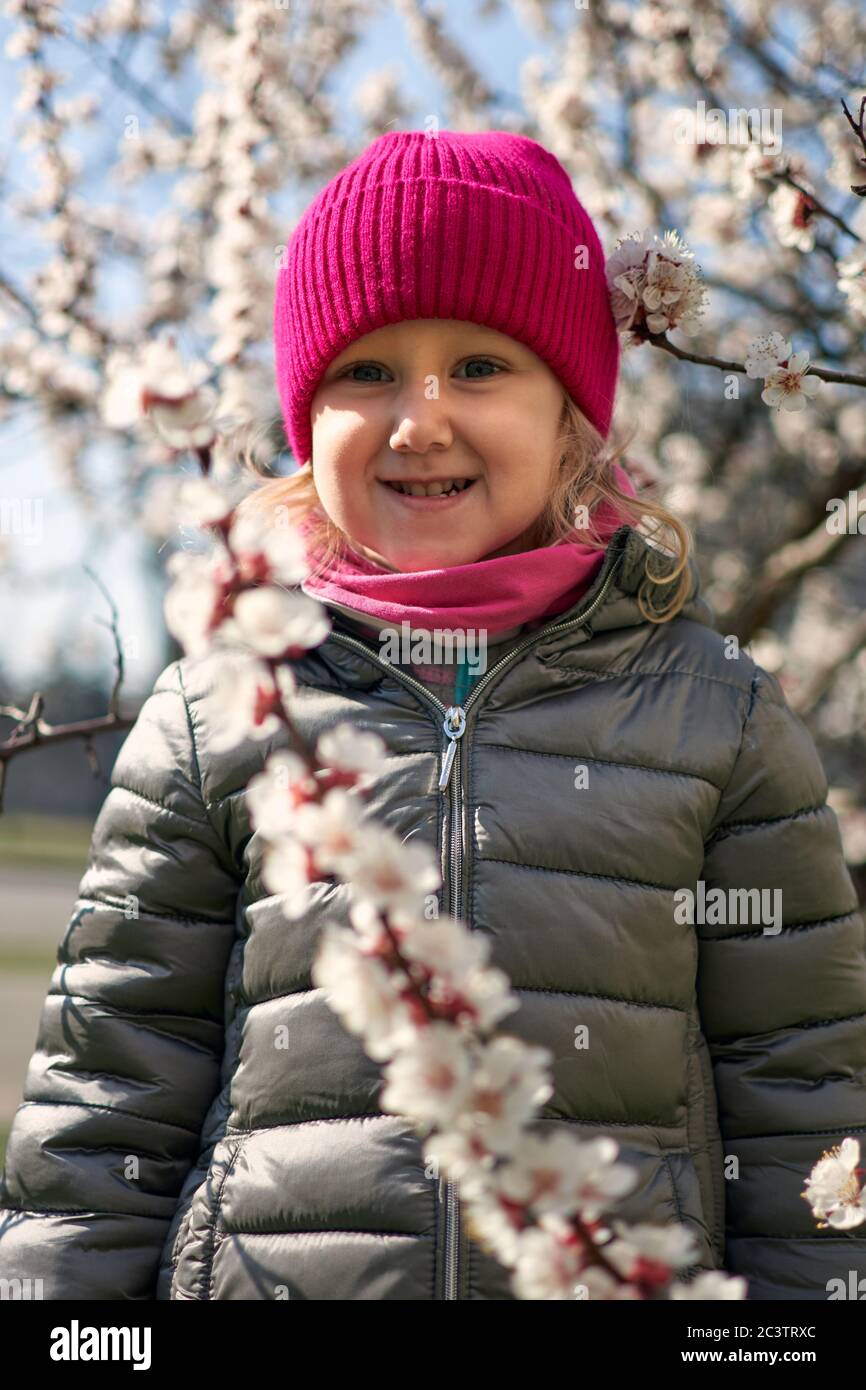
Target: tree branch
<point x="32" y="731"/>
<point x="781" y="570"/>
<point x="659" y="340"/>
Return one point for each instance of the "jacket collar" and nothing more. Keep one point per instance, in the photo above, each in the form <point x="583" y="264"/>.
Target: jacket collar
<point x="335" y="663"/>
<point x="628" y="553"/>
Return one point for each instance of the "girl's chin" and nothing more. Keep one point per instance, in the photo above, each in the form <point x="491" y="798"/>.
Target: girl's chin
<point x="405" y="555"/>
<point x="416" y="558"/>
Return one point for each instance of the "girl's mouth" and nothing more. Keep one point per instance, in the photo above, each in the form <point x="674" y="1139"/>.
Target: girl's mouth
<point x="443" y="502"/>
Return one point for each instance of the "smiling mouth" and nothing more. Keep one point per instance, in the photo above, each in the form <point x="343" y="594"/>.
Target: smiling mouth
<point x="438" y="491"/>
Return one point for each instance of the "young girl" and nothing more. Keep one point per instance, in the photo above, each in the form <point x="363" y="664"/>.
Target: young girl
<point x="624" y="806"/>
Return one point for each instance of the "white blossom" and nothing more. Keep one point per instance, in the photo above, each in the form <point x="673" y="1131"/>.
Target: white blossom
<point x="851" y="279"/>
<point x="269" y="797"/>
<point x="755" y="165"/>
<point x="546" y="1267"/>
<point x="286" y="871"/>
<point x="508" y="1081"/>
<point x="711" y="1285"/>
<point x="490" y="1223"/>
<point x="369" y="924"/>
<point x="834" y="1188"/>
<point x="246" y="700"/>
<point x="792" y="217"/>
<point x="653" y="282"/>
<point x="363" y="993"/>
<point x="201" y="502"/>
<point x="446" y="946"/>
<point x="456" y="1156"/>
<point x="852" y="823"/>
<point x="154" y="374"/>
<point x="185" y="424"/>
<point x="21" y="43"/>
<point x="766" y="354"/>
<point x="431" y="1077"/>
<point x="458" y="958"/>
<point x="272" y="621"/>
<point x="789" y="387"/>
<point x="786" y="383"/>
<point x="256" y="542"/>
<point x="599" y="1286"/>
<point x="191" y="604"/>
<point x="556" y="1172"/>
<point x="351" y="750"/>
<point x="672" y="1245"/>
<point x="390" y="873"/>
<point x="330" y="829"/>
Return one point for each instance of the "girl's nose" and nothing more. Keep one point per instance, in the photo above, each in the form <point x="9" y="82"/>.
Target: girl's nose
<point x="422" y="426"/>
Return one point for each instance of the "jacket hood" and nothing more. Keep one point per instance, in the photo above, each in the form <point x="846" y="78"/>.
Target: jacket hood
<point x="628" y="553"/>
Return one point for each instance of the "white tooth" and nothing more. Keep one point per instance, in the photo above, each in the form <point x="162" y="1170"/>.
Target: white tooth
<point x="432" y="489"/>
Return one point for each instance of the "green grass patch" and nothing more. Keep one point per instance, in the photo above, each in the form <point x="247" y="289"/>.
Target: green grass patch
<point x="61" y="842"/>
<point x="25" y="960"/>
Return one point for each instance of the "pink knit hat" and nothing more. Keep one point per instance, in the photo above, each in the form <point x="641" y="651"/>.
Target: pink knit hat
<point x="478" y="226"/>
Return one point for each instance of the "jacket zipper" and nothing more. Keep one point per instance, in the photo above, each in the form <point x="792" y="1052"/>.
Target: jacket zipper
<point x="454" y="726"/>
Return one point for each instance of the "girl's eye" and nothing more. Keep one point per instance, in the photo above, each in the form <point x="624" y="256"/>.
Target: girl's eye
<point x="360" y="367"/>
<point x="374" y="367"/>
<point x="484" y="361"/>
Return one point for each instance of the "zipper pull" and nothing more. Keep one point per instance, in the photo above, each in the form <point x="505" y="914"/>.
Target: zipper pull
<point x="454" y="723"/>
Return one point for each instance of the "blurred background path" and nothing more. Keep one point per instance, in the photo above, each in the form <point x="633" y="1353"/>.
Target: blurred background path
<point x="42" y="859"/>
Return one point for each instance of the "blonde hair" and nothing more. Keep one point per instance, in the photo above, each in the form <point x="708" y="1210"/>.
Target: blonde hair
<point x="585" y="479"/>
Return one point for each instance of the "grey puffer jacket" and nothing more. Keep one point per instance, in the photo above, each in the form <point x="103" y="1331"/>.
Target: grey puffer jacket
<point x="169" y="1146"/>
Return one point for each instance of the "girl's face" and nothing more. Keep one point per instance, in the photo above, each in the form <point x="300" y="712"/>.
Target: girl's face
<point x="436" y="400"/>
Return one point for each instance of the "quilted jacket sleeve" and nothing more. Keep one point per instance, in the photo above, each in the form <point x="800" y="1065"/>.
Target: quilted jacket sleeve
<point x="130" y="1038"/>
<point x="782" y="997"/>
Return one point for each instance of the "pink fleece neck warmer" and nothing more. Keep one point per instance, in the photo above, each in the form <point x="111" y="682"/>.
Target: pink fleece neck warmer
<point x="490" y="595"/>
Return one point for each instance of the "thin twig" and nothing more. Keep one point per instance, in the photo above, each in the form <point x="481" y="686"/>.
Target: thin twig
<point x="126" y="81"/>
<point x="857" y="127"/>
<point x="817" y="204"/>
<point x="32" y="731"/>
<point x="659" y="340"/>
<point x="118" y="646"/>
